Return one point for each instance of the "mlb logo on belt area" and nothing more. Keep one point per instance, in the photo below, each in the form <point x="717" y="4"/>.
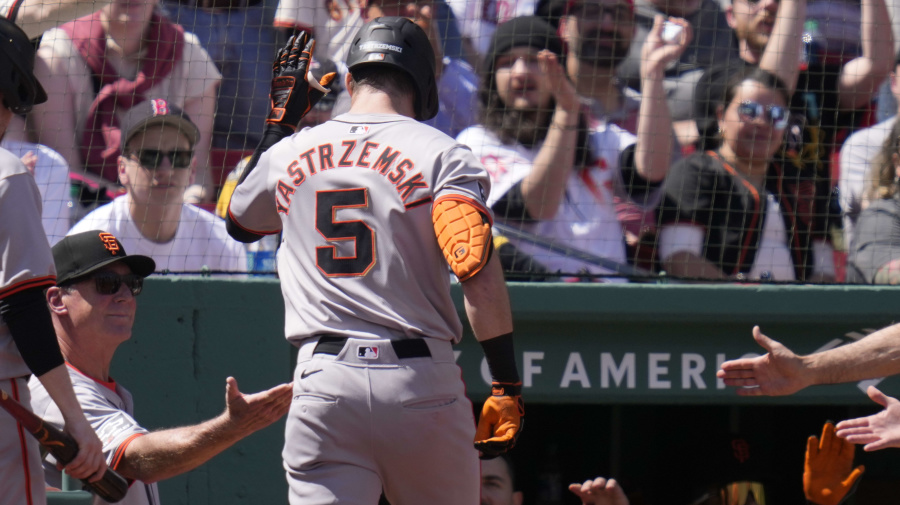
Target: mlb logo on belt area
<point x="367" y="352"/>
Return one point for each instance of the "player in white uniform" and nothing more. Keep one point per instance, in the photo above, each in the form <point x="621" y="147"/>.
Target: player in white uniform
<point x="372" y="206"/>
<point x="93" y="308"/>
<point x="27" y="341"/>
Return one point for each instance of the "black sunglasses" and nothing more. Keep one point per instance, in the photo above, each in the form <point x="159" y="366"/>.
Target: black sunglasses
<point x="153" y="158"/>
<point x="108" y="283"/>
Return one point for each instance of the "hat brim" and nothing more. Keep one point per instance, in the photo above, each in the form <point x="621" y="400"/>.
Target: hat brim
<point x="139" y="265"/>
<point x="184" y="126"/>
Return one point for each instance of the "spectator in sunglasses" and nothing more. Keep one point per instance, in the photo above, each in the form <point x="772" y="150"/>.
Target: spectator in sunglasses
<point x="737" y="212"/>
<point x="93" y="308"/>
<point x="156" y="165"/>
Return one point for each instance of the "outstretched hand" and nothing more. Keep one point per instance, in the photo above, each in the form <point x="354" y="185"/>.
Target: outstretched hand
<point x="294" y="91"/>
<point x="877" y="431"/>
<point x="249" y="413"/>
<point x="600" y="491"/>
<point x="778" y="372"/>
<point x="828" y="473"/>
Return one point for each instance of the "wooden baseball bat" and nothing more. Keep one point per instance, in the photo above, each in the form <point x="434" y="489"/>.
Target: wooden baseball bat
<point x="112" y="487"/>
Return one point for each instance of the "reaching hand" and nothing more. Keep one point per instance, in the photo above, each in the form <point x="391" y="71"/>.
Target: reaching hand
<point x="294" y="91"/>
<point x="249" y="413"/>
<point x="828" y="474"/>
<point x="656" y="53"/>
<point x="877" y="431"/>
<point x="599" y="491"/>
<point x="776" y="373"/>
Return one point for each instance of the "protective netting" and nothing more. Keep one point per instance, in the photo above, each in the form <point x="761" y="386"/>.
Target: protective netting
<point x="747" y="141"/>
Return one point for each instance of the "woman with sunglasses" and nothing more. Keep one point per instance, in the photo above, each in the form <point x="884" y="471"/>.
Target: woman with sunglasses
<point x="735" y="212"/>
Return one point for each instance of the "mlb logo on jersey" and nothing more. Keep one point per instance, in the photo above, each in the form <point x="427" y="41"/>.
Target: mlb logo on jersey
<point x="367" y="352"/>
<point x="359" y="130"/>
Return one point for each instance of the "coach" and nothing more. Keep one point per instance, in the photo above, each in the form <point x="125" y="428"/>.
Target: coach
<point x="93" y="307"/>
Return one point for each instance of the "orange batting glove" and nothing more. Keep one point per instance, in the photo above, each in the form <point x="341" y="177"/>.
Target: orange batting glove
<point x="827" y="475"/>
<point x="501" y="420"/>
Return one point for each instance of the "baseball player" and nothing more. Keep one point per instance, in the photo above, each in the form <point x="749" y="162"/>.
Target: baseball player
<point x="27" y="341"/>
<point x="373" y="206"/>
<point x="93" y="307"/>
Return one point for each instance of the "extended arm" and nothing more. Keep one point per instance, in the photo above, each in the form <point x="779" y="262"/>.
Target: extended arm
<point x="292" y="97"/>
<point x="543" y="188"/>
<point x="653" y="152"/>
<point x="781" y="372"/>
<point x="861" y="77"/>
<point x="163" y="454"/>
<point x="782" y="54"/>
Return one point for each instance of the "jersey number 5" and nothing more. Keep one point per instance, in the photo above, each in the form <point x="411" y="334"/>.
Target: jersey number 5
<point x="327" y="259"/>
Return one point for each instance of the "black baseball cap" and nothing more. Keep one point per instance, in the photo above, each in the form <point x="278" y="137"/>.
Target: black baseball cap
<point x="21" y="90"/>
<point x="156" y="111"/>
<point x="523" y="31"/>
<point x="83" y="253"/>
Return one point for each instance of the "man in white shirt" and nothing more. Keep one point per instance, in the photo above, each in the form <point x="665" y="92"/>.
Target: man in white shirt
<point x="156" y="166"/>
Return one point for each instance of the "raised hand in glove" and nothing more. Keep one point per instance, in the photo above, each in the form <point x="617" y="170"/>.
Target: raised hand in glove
<point x="828" y="474"/>
<point x="294" y="92"/>
<point x="501" y="420"/>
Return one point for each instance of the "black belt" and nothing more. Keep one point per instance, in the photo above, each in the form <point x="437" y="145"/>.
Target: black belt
<point x="410" y="348"/>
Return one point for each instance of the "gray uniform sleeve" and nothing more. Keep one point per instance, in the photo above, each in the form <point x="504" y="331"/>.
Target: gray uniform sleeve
<point x="463" y="175"/>
<point x="253" y="205"/>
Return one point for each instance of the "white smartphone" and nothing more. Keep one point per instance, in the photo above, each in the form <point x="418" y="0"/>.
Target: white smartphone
<point x="671" y="33"/>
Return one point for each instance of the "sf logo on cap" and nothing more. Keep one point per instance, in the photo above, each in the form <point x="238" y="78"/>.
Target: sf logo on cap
<point x="110" y="242"/>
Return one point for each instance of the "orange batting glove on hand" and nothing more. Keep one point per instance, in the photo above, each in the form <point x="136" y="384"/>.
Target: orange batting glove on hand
<point x="827" y="475"/>
<point x="502" y="418"/>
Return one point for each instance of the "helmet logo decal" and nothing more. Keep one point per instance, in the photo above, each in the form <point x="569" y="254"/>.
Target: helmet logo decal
<point x="380" y="46"/>
<point x="375" y="57"/>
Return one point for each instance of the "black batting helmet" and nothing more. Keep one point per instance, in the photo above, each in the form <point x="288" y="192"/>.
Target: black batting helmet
<point x="17" y="83"/>
<point x="400" y="43"/>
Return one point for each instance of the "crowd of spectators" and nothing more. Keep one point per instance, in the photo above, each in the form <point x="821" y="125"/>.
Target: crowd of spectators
<point x="692" y="138"/>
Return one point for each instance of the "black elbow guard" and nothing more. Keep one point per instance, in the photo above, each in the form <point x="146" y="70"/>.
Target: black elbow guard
<point x="28" y="318"/>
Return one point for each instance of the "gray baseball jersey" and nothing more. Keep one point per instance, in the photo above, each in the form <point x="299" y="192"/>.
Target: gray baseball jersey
<point x="109" y="408"/>
<point x="25" y="262"/>
<point x="360" y="261"/>
<point x="353" y="198"/>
